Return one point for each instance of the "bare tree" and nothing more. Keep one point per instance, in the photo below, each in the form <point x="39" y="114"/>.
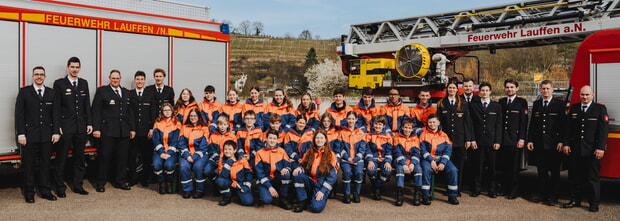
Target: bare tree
<point x="306" y="35"/>
<point x="245" y="27"/>
<point x="258" y="27"/>
<point x="317" y="37"/>
<point x="288" y="35"/>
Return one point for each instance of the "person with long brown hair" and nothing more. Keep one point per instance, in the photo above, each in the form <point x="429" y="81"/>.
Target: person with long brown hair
<point x="282" y="105"/>
<point x="316" y="175"/>
<point x="453" y="112"/>
<point x="165" y="139"/>
<point x="256" y="104"/>
<point x="309" y="109"/>
<point x="185" y="103"/>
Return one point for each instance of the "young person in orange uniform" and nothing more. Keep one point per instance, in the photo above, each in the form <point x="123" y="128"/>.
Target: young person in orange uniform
<point x="407" y="161"/>
<point x="235" y="175"/>
<point x="327" y="124"/>
<point x="422" y="109"/>
<point x="273" y="172"/>
<point x="339" y="108"/>
<point x="453" y="112"/>
<point x="315" y="175"/>
<point x="193" y="146"/>
<point x="232" y="109"/>
<point x="275" y="123"/>
<point x="436" y="149"/>
<point x="185" y="103"/>
<point x="166" y="140"/>
<point x="366" y="109"/>
<point x="352" y="141"/>
<point x="295" y="137"/>
<point x="256" y="104"/>
<point x="280" y="104"/>
<point x="249" y="137"/>
<point x="394" y="111"/>
<point x="309" y="109"/>
<point x="379" y="155"/>
<point x="216" y="145"/>
<point x="210" y="107"/>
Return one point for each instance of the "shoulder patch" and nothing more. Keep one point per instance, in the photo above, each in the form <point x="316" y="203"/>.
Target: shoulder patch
<point x="606" y="117"/>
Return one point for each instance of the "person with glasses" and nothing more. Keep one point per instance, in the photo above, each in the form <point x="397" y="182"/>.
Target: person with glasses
<point x="37" y="124"/>
<point x="193" y="154"/>
<point x="166" y="132"/>
<point x="249" y="137"/>
<point x="394" y="111"/>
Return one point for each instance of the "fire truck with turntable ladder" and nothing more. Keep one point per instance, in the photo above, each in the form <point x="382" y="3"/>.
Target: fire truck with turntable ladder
<point x="410" y="53"/>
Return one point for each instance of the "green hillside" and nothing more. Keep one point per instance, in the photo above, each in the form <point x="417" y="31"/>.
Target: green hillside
<point x="259" y="48"/>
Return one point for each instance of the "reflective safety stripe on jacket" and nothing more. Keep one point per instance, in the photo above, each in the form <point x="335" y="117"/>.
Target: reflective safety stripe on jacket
<point x="210" y="110"/>
<point x="435" y="146"/>
<point x="193" y="141"/>
<point x="269" y="162"/>
<point x="166" y="136"/>
<point x="379" y="146"/>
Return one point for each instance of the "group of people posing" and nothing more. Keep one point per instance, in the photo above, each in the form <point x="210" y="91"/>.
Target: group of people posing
<point x="271" y="145"/>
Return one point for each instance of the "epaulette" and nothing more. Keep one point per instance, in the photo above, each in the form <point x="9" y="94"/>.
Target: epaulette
<point x="599" y="103"/>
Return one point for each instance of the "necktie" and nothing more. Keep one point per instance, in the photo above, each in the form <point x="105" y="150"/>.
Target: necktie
<point x="509" y="101"/>
<point x="116" y="90"/>
<point x="74" y="85"/>
<point x="159" y="90"/>
<point x="583" y="108"/>
<point x="484" y="104"/>
<point x="40" y="95"/>
<point x="140" y="94"/>
<point x="545" y="103"/>
<point x="468" y="99"/>
<point x="452" y="102"/>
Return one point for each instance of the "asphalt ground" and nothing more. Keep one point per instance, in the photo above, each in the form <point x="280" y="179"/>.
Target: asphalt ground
<point x="144" y="203"/>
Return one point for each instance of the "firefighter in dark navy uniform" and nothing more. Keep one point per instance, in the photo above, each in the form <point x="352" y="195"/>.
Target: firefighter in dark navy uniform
<point x="514" y="110"/>
<point x="545" y="140"/>
<point x="76" y="123"/>
<point x="163" y="93"/>
<point x="36" y="122"/>
<point x="113" y="123"/>
<point x="141" y="149"/>
<point x="585" y="145"/>
<point x="487" y="120"/>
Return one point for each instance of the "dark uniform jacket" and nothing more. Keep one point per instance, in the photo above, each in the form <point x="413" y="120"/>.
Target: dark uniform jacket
<point x="515" y="121"/>
<point x="456" y="123"/>
<point x="36" y="118"/>
<point x="112" y="115"/>
<point x="547" y="124"/>
<point x="587" y="131"/>
<point x="474" y="98"/>
<point x="144" y="110"/>
<point x="75" y="112"/>
<point x="487" y="123"/>
<point x="166" y="95"/>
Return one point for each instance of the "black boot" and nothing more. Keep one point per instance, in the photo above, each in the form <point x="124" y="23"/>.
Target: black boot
<point x="301" y="206"/>
<point x="283" y="203"/>
<point x="417" y="194"/>
<point x="452" y="200"/>
<point x="161" y="188"/>
<point x="225" y="201"/>
<point x="187" y="194"/>
<point x="426" y="200"/>
<point x="356" y="198"/>
<point x="346" y="199"/>
<point x="168" y="187"/>
<point x="399" y="197"/>
<point x="376" y="193"/>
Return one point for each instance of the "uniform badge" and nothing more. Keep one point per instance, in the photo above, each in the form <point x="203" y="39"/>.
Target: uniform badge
<point x="112" y="102"/>
<point x="459" y="114"/>
<point x="606" y="118"/>
<point x="68" y="91"/>
<point x="525" y="111"/>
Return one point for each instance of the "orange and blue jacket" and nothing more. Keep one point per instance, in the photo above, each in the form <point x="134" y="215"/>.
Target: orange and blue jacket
<point x="406" y="149"/>
<point x="166" y="136"/>
<point x="365" y="114"/>
<point x="339" y="114"/>
<point x="435" y="146"/>
<point x="352" y="144"/>
<point x="239" y="171"/>
<point x="210" y="111"/>
<point x="281" y="136"/>
<point x="420" y="115"/>
<point x="216" y="144"/>
<point x="287" y="114"/>
<point x="270" y="161"/>
<point x="332" y="139"/>
<point x="249" y="141"/>
<point x="193" y="141"/>
<point x="379" y="146"/>
<point x="313" y="117"/>
<point x="233" y="112"/>
<point x="294" y="138"/>
<point x="395" y="114"/>
<point x="183" y="110"/>
<point x="259" y="109"/>
<point x="326" y="183"/>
